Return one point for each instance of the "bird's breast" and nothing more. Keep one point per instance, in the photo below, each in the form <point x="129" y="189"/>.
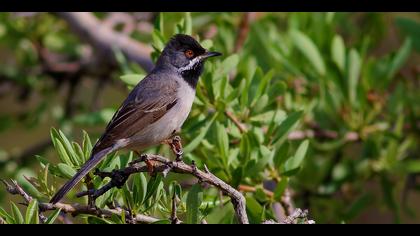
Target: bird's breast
<point x="171" y="122"/>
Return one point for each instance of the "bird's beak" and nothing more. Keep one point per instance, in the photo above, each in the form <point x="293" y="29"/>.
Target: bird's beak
<point x="210" y="54"/>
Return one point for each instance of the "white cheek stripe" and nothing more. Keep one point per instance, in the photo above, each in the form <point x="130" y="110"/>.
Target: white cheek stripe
<point x="190" y="65"/>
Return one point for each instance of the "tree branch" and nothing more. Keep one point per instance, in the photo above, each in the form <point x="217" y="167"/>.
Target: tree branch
<point x="235" y="120"/>
<point x="104" y="40"/>
<point x="297" y="217"/>
<point x="244" y="27"/>
<point x="75" y="209"/>
<point x="15" y="189"/>
<point x="162" y="164"/>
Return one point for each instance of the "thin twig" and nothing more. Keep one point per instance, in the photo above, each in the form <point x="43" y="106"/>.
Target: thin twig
<point x="74" y="209"/>
<point x="119" y="177"/>
<point x="294" y="218"/>
<point x="174" y="218"/>
<point x="15" y="189"/>
<point x="235" y="120"/>
<point x="285" y="201"/>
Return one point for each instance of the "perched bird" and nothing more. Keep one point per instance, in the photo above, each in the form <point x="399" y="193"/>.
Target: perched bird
<point x="155" y="109"/>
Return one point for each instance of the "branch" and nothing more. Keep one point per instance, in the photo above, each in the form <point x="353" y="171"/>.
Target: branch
<point x="285" y="201"/>
<point x="235" y="120"/>
<point x="174" y="218"/>
<point x="75" y="209"/>
<point x="294" y="218"/>
<point x="243" y="30"/>
<point x="15" y="189"/>
<point x="104" y="40"/>
<point x="28" y="154"/>
<point x="162" y="164"/>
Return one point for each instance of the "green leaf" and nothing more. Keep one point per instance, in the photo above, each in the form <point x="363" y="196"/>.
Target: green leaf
<point x="132" y="80"/>
<point x="261" y="104"/>
<point x="281" y="155"/>
<point x="411" y="28"/>
<point x="308" y="48"/>
<point x="32" y="216"/>
<point x="162" y="222"/>
<point x="354" y="65"/>
<point x="87" y="145"/>
<point x="6" y="216"/>
<point x="388" y="188"/>
<point x="262" y="86"/>
<point x="152" y="186"/>
<point x="237" y="176"/>
<point x="158" y="40"/>
<point x="69" y="149"/>
<point x="338" y="51"/>
<point x="358" y="206"/>
<point x="266" y="157"/>
<point x="194" y="199"/>
<point x="79" y="152"/>
<point x="295" y="161"/>
<point x="280" y="188"/>
<point x="254" y="210"/>
<point x="228" y="65"/>
<point x="281" y="132"/>
<point x="62" y="154"/>
<point x="207" y="43"/>
<point x="400" y="58"/>
<point x="53" y="217"/>
<point x="127" y="197"/>
<point x="188" y="23"/>
<point x="158" y="25"/>
<point x="139" y="188"/>
<point x="222" y="141"/>
<point x="16" y="214"/>
<point x="197" y="140"/>
<point x="66" y="170"/>
<point x="244" y="148"/>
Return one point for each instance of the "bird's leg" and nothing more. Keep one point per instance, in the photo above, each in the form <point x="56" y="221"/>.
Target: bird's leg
<point x="89" y="184"/>
<point x="176" y="147"/>
<point x="143" y="157"/>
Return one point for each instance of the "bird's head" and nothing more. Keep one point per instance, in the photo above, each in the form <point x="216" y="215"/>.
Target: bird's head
<point x="185" y="54"/>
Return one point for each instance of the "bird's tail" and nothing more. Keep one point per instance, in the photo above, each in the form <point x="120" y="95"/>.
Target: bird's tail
<point x="88" y="166"/>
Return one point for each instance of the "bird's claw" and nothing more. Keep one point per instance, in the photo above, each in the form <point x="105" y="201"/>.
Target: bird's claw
<point x="176" y="147"/>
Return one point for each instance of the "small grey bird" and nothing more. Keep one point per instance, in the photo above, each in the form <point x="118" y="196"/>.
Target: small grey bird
<point x="155" y="109"/>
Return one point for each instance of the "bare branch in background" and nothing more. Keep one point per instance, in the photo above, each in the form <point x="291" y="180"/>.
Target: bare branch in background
<point x="114" y="19"/>
<point x="29" y="153"/>
<point x="104" y="40"/>
<point x="244" y="27"/>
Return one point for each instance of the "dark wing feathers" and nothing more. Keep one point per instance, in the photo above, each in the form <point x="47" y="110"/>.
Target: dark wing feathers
<point x="147" y="103"/>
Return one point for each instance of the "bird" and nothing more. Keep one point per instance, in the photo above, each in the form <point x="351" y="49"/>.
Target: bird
<point x="155" y="109"/>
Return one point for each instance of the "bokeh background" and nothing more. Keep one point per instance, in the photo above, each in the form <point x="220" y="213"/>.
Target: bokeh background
<point x="354" y="76"/>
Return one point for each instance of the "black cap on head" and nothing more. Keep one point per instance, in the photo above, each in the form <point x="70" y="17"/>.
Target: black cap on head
<point x="184" y="54"/>
<point x="184" y="42"/>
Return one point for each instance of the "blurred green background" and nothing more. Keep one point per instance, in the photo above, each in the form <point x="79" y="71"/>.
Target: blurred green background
<point x="346" y="82"/>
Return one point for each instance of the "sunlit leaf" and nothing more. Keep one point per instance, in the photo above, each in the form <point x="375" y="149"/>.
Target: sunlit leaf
<point x="309" y="49"/>
<point x="194" y="199"/>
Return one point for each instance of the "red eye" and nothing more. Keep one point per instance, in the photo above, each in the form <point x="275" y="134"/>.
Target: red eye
<point x="189" y="53"/>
